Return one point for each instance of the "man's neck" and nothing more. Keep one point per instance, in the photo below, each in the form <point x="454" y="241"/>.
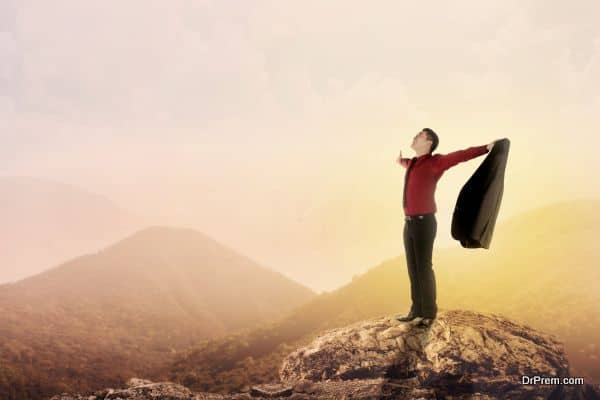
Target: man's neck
<point x="421" y="153"/>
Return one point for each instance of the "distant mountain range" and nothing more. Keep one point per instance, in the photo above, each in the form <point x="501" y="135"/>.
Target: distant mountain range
<point x="46" y="222"/>
<point x="132" y="306"/>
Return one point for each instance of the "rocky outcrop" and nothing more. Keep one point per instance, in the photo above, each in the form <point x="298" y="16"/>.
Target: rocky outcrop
<point x="463" y="354"/>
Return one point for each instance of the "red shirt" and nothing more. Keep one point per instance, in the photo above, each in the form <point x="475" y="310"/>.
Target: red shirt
<point x="425" y="173"/>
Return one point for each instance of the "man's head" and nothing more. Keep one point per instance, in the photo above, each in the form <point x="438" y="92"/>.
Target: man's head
<point x="425" y="141"/>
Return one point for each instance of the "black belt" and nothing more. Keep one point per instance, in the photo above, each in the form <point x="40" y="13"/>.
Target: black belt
<point x="416" y="217"/>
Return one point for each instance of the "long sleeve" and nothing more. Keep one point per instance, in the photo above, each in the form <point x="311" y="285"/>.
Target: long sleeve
<point x="405" y="162"/>
<point x="445" y="161"/>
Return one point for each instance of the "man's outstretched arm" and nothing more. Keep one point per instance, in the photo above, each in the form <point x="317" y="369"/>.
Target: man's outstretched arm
<point x="403" y="161"/>
<point x="445" y="161"/>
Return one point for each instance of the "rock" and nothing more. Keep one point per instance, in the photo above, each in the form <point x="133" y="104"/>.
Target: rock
<point x="139" y="389"/>
<point x="160" y="390"/>
<point x="245" y="389"/>
<point x="272" y="390"/>
<point x="137" y="382"/>
<point x="462" y="355"/>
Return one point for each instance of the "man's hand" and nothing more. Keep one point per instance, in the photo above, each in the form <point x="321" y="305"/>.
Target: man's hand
<point x="399" y="159"/>
<point x="490" y="145"/>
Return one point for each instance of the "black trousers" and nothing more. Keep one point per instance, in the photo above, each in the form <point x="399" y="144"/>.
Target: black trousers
<point x="419" y="235"/>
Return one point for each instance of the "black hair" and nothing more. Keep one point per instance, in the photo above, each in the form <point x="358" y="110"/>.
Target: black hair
<point x="431" y="135"/>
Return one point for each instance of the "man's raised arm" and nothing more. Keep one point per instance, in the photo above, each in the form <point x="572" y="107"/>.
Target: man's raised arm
<point x="403" y="161"/>
<point x="445" y="161"/>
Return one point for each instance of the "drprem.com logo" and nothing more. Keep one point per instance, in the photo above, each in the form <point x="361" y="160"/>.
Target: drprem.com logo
<point x="551" y="380"/>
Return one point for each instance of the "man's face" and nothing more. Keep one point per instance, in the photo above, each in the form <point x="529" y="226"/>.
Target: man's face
<point x="421" y="142"/>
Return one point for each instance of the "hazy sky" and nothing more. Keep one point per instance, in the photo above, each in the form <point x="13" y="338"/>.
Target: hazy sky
<point x="274" y="126"/>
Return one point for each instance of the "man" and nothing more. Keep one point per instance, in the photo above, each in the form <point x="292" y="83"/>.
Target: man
<point x="420" y="226"/>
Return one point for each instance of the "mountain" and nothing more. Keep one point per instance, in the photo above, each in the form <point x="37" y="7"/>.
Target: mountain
<point x="541" y="270"/>
<point x="463" y="355"/>
<point x="46" y="222"/>
<point x="129" y="308"/>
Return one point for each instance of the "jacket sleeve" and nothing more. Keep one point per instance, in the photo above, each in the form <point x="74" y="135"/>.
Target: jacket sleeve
<point x="445" y="161"/>
<point x="405" y="162"/>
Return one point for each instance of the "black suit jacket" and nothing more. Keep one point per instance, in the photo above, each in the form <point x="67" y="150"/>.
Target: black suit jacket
<point x="479" y="200"/>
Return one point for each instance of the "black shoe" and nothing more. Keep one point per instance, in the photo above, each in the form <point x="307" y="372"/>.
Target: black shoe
<point x="406" y="318"/>
<point x="425" y="322"/>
